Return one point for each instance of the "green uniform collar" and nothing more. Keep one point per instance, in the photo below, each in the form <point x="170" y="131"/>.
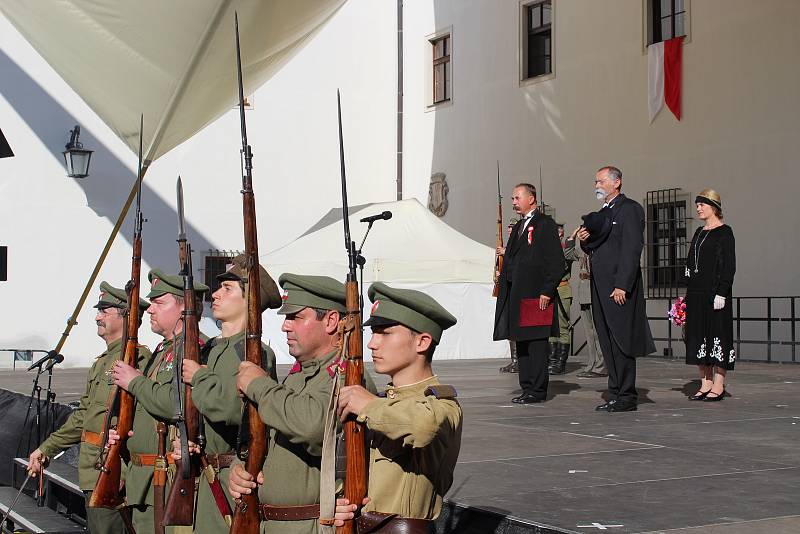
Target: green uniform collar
<point x="411" y="390"/>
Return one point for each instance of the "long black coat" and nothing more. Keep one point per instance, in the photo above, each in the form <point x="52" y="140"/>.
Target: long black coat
<point x="529" y="270"/>
<point x="615" y="264"/>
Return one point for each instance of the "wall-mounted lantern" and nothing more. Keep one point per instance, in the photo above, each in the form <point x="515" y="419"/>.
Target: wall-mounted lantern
<point x="76" y="157"/>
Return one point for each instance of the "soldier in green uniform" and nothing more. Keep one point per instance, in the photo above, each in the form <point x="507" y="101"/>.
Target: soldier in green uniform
<point x="295" y="409"/>
<point x="416" y="424"/>
<point x="85" y="424"/>
<point x="152" y="387"/>
<point x="559" y="346"/>
<point x="214" y="384"/>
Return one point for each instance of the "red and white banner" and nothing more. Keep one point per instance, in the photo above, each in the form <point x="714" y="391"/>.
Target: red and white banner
<point x="664" y="76"/>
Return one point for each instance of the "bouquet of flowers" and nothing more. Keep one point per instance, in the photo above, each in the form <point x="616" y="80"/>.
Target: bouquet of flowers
<point x="677" y="312"/>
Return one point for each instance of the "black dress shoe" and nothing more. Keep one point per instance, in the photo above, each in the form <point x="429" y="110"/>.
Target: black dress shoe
<point x="605" y="407"/>
<point x="700" y="395"/>
<point x="715" y="398"/>
<point x="624" y="406"/>
<point x="528" y="398"/>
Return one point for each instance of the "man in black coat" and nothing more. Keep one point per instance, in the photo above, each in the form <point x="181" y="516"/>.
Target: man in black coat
<point x="532" y="268"/>
<point x="620" y="316"/>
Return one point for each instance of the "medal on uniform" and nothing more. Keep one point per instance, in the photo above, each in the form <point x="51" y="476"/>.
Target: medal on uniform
<point x="530" y="234"/>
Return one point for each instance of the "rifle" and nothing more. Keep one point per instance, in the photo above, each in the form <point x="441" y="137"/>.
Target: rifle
<point x="106" y="492"/>
<point x="160" y="477"/>
<point x="179" y="509"/>
<point x="498" y="260"/>
<point x="252" y="446"/>
<point x="355" y="482"/>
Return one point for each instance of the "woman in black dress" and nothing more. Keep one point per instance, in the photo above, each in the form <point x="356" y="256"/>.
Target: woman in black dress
<point x="709" y="318"/>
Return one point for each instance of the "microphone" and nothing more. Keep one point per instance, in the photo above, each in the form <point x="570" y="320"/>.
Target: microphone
<point x="58" y="358"/>
<point x="49" y="356"/>
<point x="385" y="216"/>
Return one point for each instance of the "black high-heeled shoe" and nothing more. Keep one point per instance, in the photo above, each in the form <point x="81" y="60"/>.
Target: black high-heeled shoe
<point x="700" y="395"/>
<point x="715" y="398"/>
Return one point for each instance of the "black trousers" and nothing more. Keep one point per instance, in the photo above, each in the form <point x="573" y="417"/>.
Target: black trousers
<point x="620" y="366"/>
<point x="532" y="362"/>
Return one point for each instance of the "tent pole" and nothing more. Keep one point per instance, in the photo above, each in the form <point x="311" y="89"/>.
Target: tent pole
<point x="73" y="319"/>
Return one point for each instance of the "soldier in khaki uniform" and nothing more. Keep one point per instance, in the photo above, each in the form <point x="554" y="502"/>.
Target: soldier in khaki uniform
<point x="152" y="387"/>
<point x="214" y="384"/>
<point x="416" y="424"/>
<point x="559" y="346"/>
<point x="295" y="410"/>
<point x="85" y="424"/>
<point x="595" y="366"/>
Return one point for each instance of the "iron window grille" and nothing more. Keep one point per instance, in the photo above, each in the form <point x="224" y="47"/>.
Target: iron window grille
<point x="667" y="19"/>
<point x="215" y="263"/>
<point x="666" y="245"/>
<point x="538" y="39"/>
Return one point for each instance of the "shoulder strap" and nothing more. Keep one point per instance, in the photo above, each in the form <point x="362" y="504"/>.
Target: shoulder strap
<point x="441" y="391"/>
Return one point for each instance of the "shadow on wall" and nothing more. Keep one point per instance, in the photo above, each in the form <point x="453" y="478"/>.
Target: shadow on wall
<point x="110" y="180"/>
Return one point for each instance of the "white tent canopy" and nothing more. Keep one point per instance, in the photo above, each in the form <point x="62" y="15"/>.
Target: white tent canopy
<point x="414" y="246"/>
<point x="173" y="61"/>
<point x="414" y="249"/>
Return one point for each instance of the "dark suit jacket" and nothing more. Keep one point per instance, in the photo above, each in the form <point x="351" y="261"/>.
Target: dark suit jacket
<point x="533" y="265"/>
<point x="615" y="264"/>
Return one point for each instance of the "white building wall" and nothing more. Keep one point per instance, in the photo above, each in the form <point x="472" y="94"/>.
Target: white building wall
<point x="739" y="134"/>
<point x="55" y="226"/>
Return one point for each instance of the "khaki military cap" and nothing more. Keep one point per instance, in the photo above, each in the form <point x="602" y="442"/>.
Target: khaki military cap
<point x="408" y="307"/>
<point x="237" y="271"/>
<point x="162" y="283"/>
<point x="306" y="291"/>
<point x="113" y="297"/>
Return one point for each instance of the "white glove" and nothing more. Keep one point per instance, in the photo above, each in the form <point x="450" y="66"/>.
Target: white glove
<point x="719" y="302"/>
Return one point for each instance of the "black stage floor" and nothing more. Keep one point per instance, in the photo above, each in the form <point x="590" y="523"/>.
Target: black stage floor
<point x="673" y="466"/>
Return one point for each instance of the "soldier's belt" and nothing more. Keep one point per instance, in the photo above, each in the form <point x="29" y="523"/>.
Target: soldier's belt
<point x="584" y="276"/>
<point x="144" y="460"/>
<point x="304" y="512"/>
<point x="92" y="437"/>
<point x="370" y="522"/>
<point x="220" y="461"/>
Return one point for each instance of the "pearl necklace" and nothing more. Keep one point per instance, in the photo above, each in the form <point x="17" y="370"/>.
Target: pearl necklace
<point x="697" y="248"/>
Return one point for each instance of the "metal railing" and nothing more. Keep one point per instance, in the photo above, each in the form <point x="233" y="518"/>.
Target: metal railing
<point x="749" y="323"/>
<point x="778" y="311"/>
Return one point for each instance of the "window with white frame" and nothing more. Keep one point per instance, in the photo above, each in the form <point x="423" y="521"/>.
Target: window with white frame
<point x="666" y="19"/>
<point x="537" y="39"/>
<point x="442" y="68"/>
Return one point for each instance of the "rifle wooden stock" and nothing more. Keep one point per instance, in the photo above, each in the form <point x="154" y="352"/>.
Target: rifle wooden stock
<point x="498" y="260"/>
<point x="160" y="478"/>
<point x="106" y="492"/>
<point x="246" y="517"/>
<point x="179" y="509"/>
<point x="355" y="482"/>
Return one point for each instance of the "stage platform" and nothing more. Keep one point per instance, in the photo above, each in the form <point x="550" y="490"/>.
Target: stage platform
<point x="673" y="466"/>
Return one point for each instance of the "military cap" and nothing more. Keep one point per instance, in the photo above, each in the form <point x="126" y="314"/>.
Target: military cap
<point x="408" y="307"/>
<point x="112" y="297"/>
<point x="237" y="271"/>
<point x="306" y="291"/>
<point x="163" y="283"/>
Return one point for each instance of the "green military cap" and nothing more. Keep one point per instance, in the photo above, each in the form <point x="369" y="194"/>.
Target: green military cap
<point x="408" y="307"/>
<point x="512" y="221"/>
<point x="560" y="223"/>
<point x="237" y="271"/>
<point x="162" y="283"/>
<point x="306" y="291"/>
<point x="113" y="297"/>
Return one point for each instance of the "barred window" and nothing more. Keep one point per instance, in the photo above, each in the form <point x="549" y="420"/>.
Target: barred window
<point x="215" y="263"/>
<point x="666" y="242"/>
